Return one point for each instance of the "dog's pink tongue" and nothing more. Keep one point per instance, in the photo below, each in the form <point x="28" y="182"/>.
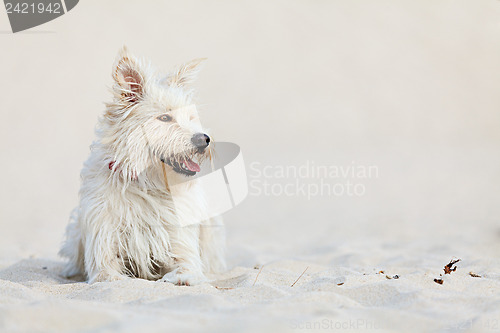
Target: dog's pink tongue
<point x="192" y="166"/>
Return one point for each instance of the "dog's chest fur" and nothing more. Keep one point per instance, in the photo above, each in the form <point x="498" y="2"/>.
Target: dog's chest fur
<point x="140" y="218"/>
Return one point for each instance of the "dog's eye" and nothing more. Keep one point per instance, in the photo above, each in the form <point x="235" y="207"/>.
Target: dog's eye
<point x="165" y="117"/>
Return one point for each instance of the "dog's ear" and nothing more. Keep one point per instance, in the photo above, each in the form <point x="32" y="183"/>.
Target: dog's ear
<point x="185" y="74"/>
<point x="129" y="77"/>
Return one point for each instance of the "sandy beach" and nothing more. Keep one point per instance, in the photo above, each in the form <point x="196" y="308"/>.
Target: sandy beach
<point x="370" y="134"/>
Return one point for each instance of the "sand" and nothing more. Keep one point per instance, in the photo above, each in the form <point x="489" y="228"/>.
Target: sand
<point x="339" y="289"/>
<point x="409" y="87"/>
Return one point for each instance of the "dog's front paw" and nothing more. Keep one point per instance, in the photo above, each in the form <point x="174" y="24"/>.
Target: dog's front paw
<point x="182" y="277"/>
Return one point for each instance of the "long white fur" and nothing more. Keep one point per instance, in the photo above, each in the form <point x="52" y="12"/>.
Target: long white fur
<point x="126" y="223"/>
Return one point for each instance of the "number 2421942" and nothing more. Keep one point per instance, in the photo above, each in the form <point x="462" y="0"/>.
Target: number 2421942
<point x="28" y="8"/>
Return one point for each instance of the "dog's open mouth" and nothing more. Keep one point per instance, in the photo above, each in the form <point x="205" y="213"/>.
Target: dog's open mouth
<point x="186" y="167"/>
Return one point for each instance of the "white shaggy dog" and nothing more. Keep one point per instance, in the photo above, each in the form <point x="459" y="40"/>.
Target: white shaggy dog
<point x="126" y="223"/>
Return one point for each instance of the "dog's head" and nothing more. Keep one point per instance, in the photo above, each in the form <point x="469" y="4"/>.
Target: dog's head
<point x="152" y="118"/>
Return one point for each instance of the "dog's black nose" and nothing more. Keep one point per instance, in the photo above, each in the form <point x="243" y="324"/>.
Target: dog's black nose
<point x="200" y="140"/>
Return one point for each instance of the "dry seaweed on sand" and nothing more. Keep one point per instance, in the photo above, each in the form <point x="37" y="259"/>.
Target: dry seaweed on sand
<point x="450" y="267"/>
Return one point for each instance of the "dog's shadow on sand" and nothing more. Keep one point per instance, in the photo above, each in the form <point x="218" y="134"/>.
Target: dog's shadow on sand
<point x="37" y="271"/>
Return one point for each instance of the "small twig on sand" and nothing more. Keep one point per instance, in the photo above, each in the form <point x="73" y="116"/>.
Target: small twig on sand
<point x="474" y="275"/>
<point x="293" y="284"/>
<point x="223" y="288"/>
<point x="260" y="270"/>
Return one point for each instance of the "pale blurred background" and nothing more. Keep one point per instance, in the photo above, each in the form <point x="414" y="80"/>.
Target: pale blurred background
<point x="409" y="86"/>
